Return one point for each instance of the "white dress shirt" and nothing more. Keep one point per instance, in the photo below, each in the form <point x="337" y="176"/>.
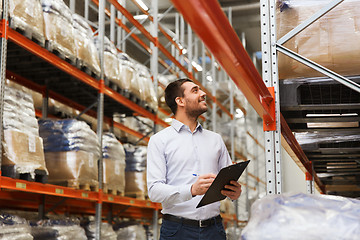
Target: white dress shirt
<point x="174" y="155"/>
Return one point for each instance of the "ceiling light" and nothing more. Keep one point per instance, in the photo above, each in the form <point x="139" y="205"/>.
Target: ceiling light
<point x="141" y="17"/>
<point x="142" y="5"/>
<point x="331" y="114"/>
<point x="333" y="125"/>
<point x="168" y="120"/>
<point x="209" y="78"/>
<point x="197" y="66"/>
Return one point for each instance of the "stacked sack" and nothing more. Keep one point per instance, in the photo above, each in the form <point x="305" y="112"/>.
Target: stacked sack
<point x="111" y="63"/>
<point x="127" y="73"/>
<point x="59" y="30"/>
<point x="14" y="228"/>
<point x="22" y="146"/>
<point x="71" y="152"/>
<point x="130" y="231"/>
<point x="58" y="229"/>
<point x="27" y="15"/>
<point x="86" y="51"/>
<point x="113" y="164"/>
<point x="147" y="88"/>
<point x="107" y="232"/>
<point x="135" y="171"/>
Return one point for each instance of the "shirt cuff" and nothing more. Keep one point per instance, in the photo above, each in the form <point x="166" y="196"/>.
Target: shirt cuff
<point x="185" y="192"/>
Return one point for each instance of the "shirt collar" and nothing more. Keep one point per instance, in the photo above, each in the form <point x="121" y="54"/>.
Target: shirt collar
<point x="177" y="125"/>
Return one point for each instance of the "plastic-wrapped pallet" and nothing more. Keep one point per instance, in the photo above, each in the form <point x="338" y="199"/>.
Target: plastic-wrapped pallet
<point x="114" y="164"/>
<point x="107" y="232"/>
<point x="22" y="147"/>
<point x="27" y="15"/>
<point x="111" y="62"/>
<point x="86" y="51"/>
<point x="71" y="153"/>
<point x="294" y="216"/>
<point x="67" y="229"/>
<point x="130" y="231"/>
<point x="127" y="71"/>
<point x="59" y="30"/>
<point x="135" y="171"/>
<point x="14" y="228"/>
<point x="147" y="89"/>
<point x="331" y="41"/>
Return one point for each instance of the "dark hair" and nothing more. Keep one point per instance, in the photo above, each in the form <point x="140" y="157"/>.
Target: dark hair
<point x="174" y="90"/>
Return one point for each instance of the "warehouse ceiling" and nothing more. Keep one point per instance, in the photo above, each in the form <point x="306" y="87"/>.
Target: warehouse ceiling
<point x="323" y="114"/>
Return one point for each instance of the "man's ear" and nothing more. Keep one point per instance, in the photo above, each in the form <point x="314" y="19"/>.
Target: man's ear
<point x="179" y="101"/>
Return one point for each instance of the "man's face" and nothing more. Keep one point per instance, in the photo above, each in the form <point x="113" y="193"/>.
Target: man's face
<point x="194" y="99"/>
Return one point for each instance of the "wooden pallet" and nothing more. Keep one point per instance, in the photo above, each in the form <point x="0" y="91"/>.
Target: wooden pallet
<point x="76" y="185"/>
<point x="12" y="172"/>
<point x="27" y="31"/>
<point x="58" y="51"/>
<point x="137" y="195"/>
<point x="113" y="191"/>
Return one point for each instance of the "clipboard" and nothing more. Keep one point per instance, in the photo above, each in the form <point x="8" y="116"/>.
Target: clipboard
<point x="226" y="174"/>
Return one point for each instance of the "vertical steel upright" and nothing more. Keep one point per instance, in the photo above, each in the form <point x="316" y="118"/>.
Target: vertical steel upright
<point x="154" y="72"/>
<point x="3" y="53"/>
<point x="100" y="116"/>
<point x="213" y="76"/>
<point x="270" y="76"/>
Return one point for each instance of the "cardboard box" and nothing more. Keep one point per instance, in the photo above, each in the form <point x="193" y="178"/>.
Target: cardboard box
<point x="23" y="150"/>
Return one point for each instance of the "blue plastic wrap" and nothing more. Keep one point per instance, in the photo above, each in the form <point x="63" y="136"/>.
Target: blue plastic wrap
<point x="14" y="228"/>
<point x="135" y="158"/>
<point x="68" y="135"/>
<point x="303" y="216"/>
<point x="112" y="148"/>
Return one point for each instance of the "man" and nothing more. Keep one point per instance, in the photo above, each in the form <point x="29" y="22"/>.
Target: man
<point x="182" y="162"/>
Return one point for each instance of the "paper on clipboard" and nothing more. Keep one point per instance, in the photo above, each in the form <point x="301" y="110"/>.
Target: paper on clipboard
<point x="226" y="174"/>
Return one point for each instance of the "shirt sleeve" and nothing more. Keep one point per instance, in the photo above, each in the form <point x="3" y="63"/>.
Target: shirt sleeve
<point x="158" y="189"/>
<point x="224" y="159"/>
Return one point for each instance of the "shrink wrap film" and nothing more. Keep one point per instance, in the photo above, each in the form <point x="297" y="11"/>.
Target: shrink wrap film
<point x="86" y="50"/>
<point x="72" y="168"/>
<point x="127" y="71"/>
<point x="107" y="232"/>
<point x="59" y="30"/>
<point x="303" y="216"/>
<point x="130" y="231"/>
<point x="14" y="228"/>
<point x="19" y="112"/>
<point x="135" y="171"/>
<point x="331" y="41"/>
<point x="27" y="14"/>
<point x="71" y="152"/>
<point x="114" y="163"/>
<point x="23" y="151"/>
<point x="147" y="88"/>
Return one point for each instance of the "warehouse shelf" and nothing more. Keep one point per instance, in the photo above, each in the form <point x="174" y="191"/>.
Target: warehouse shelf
<point x="212" y="26"/>
<point x="28" y="195"/>
<point x="30" y="60"/>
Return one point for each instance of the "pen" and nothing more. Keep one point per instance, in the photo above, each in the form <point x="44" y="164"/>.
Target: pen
<point x="194" y="174"/>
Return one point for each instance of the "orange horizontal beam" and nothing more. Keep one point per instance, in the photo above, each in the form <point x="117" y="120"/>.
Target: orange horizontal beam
<point x="209" y="22"/>
<point x="257" y="178"/>
<point x="240" y="156"/>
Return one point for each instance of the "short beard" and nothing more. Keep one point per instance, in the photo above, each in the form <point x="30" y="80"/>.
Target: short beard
<point x="195" y="113"/>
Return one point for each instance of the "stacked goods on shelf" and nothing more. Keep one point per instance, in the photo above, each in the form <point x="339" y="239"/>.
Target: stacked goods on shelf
<point x="227" y="207"/>
<point x="14" y="228"/>
<point x="289" y="216"/>
<point x="322" y="41"/>
<point x="59" y="30"/>
<point x="147" y="89"/>
<point x="127" y="73"/>
<point x="23" y="155"/>
<point x="71" y="153"/>
<point x="135" y="171"/>
<point x="86" y="51"/>
<point x="130" y="231"/>
<point x="58" y="229"/>
<point x="113" y="164"/>
<point x="111" y="62"/>
<point x="27" y="16"/>
<point x="139" y="124"/>
<point x="107" y="232"/>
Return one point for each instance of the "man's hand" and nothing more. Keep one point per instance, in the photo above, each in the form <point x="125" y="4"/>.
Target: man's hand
<point x="234" y="190"/>
<point x="202" y="184"/>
